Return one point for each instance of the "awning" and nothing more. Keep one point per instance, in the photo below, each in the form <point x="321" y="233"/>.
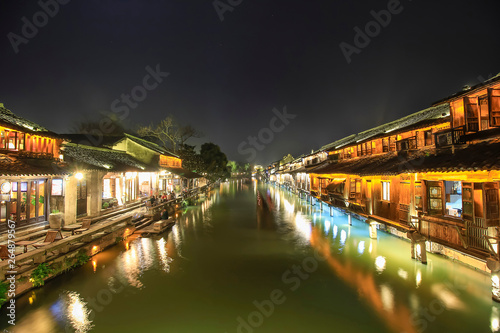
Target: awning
<point x="183" y="173"/>
<point x="15" y="166"/>
<point x="336" y="186"/>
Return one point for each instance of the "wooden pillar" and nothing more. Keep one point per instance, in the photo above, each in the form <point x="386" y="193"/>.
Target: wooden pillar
<point x="423" y="252"/>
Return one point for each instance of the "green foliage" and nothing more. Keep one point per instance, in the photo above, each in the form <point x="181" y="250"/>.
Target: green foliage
<point x="81" y="259"/>
<point x="236" y="167"/>
<point x="4" y="287"/>
<point x="233" y="166"/>
<point x="119" y="239"/>
<point x="41" y="199"/>
<point x="214" y="162"/>
<point x="39" y="275"/>
<point x="69" y="262"/>
<point x="191" y="160"/>
<point x="105" y="205"/>
<point x="55" y="211"/>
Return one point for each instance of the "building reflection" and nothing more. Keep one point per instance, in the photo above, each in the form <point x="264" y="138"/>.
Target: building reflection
<point x="380" y="298"/>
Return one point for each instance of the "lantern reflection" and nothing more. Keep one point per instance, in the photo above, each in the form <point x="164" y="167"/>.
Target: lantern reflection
<point x="77" y="313"/>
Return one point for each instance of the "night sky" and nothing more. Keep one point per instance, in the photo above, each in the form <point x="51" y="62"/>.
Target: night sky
<point x="226" y="77"/>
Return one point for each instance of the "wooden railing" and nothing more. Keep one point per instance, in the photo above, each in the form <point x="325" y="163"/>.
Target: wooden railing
<point x="38" y="256"/>
<point x="476" y="232"/>
<point x="406" y="144"/>
<point x="404" y="213"/>
<point x="449" y="137"/>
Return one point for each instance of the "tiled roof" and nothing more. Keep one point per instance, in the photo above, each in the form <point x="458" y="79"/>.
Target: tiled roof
<point x="421" y="117"/>
<point x="92" y="140"/>
<point x="25" y="125"/>
<point x="470" y="90"/>
<point x="87" y="157"/>
<point x="474" y="157"/>
<point x="15" y="166"/>
<point x="151" y="145"/>
<point x="108" y="141"/>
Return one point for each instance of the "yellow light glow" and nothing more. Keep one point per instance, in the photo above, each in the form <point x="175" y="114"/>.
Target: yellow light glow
<point x="343" y="237"/>
<point x="380" y="264"/>
<point x="361" y="247"/>
<point x="94" y="264"/>
<point x="79" y="175"/>
<point x="78" y="313"/>
<point x="403" y="274"/>
<point x="418" y="278"/>
<point x="495" y="325"/>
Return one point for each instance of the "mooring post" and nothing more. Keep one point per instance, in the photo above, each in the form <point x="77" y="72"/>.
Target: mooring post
<point x="349" y="219"/>
<point x="331" y="210"/>
<point x="423" y="252"/>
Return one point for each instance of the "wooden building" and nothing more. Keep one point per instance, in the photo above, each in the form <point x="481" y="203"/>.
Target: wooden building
<point x="432" y="176"/>
<point x="29" y="169"/>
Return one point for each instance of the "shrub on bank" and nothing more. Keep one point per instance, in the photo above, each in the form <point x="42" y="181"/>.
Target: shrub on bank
<point x="38" y="276"/>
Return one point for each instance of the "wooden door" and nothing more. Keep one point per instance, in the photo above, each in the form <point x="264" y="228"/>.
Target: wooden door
<point x="81" y="197"/>
<point x="404" y="201"/>
<point x="491" y="204"/>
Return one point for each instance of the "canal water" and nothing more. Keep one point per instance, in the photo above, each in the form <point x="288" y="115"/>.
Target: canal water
<point x="228" y="266"/>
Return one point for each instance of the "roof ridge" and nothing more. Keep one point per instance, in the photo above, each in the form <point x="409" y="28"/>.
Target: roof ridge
<point x="71" y="144"/>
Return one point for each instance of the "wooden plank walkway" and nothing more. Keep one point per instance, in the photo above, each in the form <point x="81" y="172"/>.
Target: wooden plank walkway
<point x="156" y="228"/>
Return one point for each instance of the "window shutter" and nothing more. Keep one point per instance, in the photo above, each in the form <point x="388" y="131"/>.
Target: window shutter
<point x="494" y="103"/>
<point x="467" y="201"/>
<point x="435" y="196"/>
<point x="491" y="200"/>
<point x="471" y="114"/>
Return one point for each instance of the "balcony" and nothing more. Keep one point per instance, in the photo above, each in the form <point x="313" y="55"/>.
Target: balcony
<point x="452" y="136"/>
<point x="334" y="157"/>
<point x="406" y="144"/>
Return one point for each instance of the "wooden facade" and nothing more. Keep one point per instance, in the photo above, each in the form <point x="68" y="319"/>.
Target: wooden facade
<point x="434" y="173"/>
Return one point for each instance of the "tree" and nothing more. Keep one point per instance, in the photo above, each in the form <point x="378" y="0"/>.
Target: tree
<point x="169" y="133"/>
<point x="108" y="124"/>
<point x="214" y="162"/>
<point x="191" y="160"/>
<point x="233" y="166"/>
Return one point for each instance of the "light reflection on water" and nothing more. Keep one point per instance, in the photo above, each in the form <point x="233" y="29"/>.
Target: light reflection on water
<point x="78" y="313"/>
<point x="378" y="289"/>
<point x="379" y="272"/>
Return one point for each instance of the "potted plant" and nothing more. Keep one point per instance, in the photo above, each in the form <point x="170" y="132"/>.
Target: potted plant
<point x="56" y="219"/>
